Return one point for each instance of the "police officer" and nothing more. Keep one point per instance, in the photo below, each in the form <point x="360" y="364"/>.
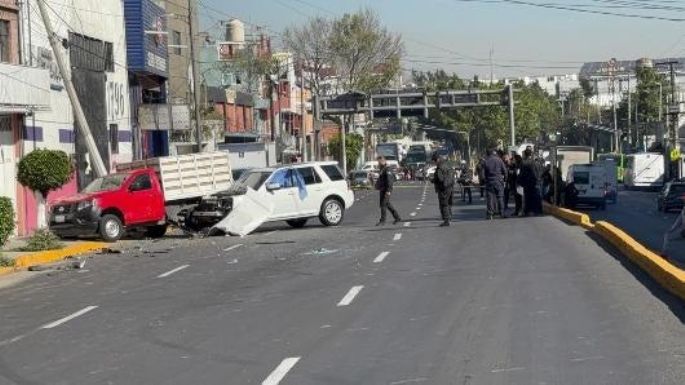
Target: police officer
<point x="384" y="186"/>
<point x="444" y="186"/>
<point x="495" y="174"/>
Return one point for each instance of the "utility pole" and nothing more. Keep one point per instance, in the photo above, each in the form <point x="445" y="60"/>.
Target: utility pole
<point x="512" y="122"/>
<point x="193" y="66"/>
<point x="630" y="133"/>
<point x="55" y="43"/>
<point x="673" y="114"/>
<point x="303" y="112"/>
<point x="343" y="142"/>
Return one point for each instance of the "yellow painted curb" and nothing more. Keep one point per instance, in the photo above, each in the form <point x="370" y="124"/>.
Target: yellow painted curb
<point x="580" y="219"/>
<point x="662" y="271"/>
<point x="49" y="256"/>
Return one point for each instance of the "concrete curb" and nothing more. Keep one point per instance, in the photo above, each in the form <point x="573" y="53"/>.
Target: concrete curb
<point x="666" y="274"/>
<point x="44" y="257"/>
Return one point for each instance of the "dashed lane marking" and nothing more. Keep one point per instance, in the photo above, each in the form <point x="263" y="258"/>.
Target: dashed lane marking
<point x="397" y="237"/>
<point x="233" y="247"/>
<point x="407" y="224"/>
<point x="69" y="317"/>
<point x="281" y="371"/>
<point x="412" y="214"/>
<point x="349" y="297"/>
<point x="176" y="270"/>
<point x="381" y="257"/>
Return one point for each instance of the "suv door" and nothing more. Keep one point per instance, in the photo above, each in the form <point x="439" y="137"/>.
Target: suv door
<point x="311" y="204"/>
<point x="286" y="199"/>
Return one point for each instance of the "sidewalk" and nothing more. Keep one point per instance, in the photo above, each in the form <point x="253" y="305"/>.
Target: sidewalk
<point x="24" y="259"/>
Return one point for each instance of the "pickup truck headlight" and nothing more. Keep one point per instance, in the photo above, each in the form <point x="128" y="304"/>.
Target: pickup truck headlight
<point x="85" y="205"/>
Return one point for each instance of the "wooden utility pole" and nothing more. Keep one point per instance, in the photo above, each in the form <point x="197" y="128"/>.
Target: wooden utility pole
<point x="96" y="160"/>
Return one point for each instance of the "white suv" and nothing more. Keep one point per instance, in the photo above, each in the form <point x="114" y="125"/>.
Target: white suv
<point x="297" y="192"/>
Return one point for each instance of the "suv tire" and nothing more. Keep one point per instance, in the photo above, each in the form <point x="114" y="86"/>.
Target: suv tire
<point x="110" y="228"/>
<point x="297" y="223"/>
<point x="332" y="212"/>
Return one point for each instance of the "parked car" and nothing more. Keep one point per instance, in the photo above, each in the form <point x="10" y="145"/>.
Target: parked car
<point x="671" y="197"/>
<point x="590" y="180"/>
<point x="297" y="193"/>
<point x="145" y="194"/>
<point x="361" y="179"/>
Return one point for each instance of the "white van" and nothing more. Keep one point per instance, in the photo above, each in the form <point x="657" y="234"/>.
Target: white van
<point x="644" y="170"/>
<point x="591" y="182"/>
<point x="612" y="178"/>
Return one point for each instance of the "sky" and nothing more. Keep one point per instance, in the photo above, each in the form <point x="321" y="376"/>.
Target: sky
<point x="458" y="35"/>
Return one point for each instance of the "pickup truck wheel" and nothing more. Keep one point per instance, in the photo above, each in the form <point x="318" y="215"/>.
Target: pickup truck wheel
<point x="111" y="229"/>
<point x="332" y="212"/>
<point x="297" y="223"/>
<point x="156" y="231"/>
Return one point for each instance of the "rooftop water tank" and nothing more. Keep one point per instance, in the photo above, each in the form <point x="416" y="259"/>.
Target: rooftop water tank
<point x="235" y="31"/>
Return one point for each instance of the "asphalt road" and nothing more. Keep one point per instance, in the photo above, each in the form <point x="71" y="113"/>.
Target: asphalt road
<point x="637" y="214"/>
<point x="517" y="301"/>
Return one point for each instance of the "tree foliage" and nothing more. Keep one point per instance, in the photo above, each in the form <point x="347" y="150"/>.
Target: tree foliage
<point x="6" y="219"/>
<point x="354" y="144"/>
<point x="44" y="170"/>
<point x="311" y="43"/>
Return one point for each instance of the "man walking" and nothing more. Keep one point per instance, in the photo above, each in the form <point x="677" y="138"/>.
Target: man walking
<point x="530" y="181"/>
<point x="384" y="186"/>
<point x="495" y="174"/>
<point x="444" y="186"/>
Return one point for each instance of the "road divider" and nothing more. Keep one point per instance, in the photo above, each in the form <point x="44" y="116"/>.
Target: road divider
<point x="669" y="276"/>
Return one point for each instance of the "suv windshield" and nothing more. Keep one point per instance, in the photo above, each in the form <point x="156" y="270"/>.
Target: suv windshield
<point x="253" y="180"/>
<point x="109" y="182"/>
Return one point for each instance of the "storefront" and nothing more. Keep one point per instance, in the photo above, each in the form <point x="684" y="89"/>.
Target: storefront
<point x="147" y="51"/>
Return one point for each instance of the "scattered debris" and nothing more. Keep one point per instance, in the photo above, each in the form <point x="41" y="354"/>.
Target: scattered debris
<point x="39" y="268"/>
<point x="79" y="264"/>
<point x="107" y="250"/>
<point x="321" y="251"/>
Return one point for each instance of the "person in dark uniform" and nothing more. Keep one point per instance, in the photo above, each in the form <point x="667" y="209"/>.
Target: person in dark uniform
<point x="444" y="186"/>
<point x="384" y="186"/>
<point x="530" y="181"/>
<point x="495" y="174"/>
<point x="466" y="182"/>
<point x="518" y="198"/>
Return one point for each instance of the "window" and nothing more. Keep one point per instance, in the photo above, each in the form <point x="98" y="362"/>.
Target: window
<point x="176" y="42"/>
<point x="4" y="41"/>
<point x="284" y="177"/>
<point x="581" y="177"/>
<point x="142" y="183"/>
<point x="114" y="138"/>
<point x="333" y="172"/>
<point x="109" y="57"/>
<point x="309" y="175"/>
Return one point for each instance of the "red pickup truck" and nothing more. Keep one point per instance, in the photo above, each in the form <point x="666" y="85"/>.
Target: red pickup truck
<point x="111" y="204"/>
<point x="143" y="194"/>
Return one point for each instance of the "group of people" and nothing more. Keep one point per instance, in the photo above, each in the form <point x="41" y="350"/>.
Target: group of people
<point x="507" y="175"/>
<point x="500" y="175"/>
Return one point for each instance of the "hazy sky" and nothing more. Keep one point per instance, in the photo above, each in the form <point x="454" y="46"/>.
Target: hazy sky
<point x="458" y="35"/>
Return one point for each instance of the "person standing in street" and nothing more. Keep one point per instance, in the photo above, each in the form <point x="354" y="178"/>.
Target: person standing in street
<point x="444" y="186"/>
<point x="384" y="185"/>
<point x="530" y="181"/>
<point x="495" y="175"/>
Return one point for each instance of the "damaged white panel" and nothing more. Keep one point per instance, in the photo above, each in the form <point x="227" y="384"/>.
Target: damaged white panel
<point x="249" y="212"/>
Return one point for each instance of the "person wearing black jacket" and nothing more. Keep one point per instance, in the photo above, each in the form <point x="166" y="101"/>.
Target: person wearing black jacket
<point x="495" y="175"/>
<point x="529" y="179"/>
<point x="384" y="185"/>
<point x="444" y="186"/>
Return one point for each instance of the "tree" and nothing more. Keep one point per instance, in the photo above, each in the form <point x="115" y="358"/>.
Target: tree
<point x="311" y="44"/>
<point x="366" y="56"/>
<point x="43" y="171"/>
<point x="354" y="146"/>
<point x="6" y="219"/>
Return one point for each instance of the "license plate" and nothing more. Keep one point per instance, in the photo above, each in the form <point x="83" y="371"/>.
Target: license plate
<point x="59" y="219"/>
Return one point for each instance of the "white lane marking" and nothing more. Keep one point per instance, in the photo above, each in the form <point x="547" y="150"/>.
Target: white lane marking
<point x="407" y="224"/>
<point x="271" y="232"/>
<point x="349" y="297"/>
<point x="281" y="371"/>
<point x="420" y="204"/>
<point x="233" y="247"/>
<point x="412" y="214"/>
<point x="381" y="257"/>
<point x="69" y="317"/>
<point x="176" y="270"/>
<point x="508" y="370"/>
<point x="397" y="237"/>
<point x="418" y="209"/>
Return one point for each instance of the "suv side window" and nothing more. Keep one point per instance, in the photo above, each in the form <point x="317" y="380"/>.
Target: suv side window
<point x="141" y="183"/>
<point x="309" y="175"/>
<point x="333" y="172"/>
<point x="285" y="177"/>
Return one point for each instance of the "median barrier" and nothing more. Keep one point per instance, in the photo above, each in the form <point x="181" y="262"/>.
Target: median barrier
<point x="666" y="274"/>
<point x="576" y="218"/>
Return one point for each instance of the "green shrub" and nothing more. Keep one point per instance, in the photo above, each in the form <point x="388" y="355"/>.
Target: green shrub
<point x="6" y="219"/>
<point x="44" y="170"/>
<point x="42" y="239"/>
<point x="6" y="262"/>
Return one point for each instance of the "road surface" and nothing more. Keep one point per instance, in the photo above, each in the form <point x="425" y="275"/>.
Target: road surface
<point x="517" y="301"/>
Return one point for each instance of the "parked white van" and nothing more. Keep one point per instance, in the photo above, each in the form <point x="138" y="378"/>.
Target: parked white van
<point x="644" y="170"/>
<point x="590" y="180"/>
